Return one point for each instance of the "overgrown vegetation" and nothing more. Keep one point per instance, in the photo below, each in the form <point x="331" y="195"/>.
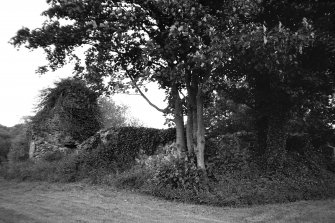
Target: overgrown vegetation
<point x="70" y="108"/>
<point x="96" y="161"/>
<point x="14" y="143"/>
<point x="114" y="115"/>
<point x="254" y="78"/>
<point x="123" y="145"/>
<point x="233" y="177"/>
<point x="4" y="143"/>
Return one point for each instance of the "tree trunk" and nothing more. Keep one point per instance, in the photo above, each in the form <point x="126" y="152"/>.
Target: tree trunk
<point x="262" y="132"/>
<point x="189" y="133"/>
<point x="191" y="109"/>
<point x="276" y="141"/>
<point x="179" y="121"/>
<point x="272" y="106"/>
<point x="200" y="149"/>
<point x="193" y="98"/>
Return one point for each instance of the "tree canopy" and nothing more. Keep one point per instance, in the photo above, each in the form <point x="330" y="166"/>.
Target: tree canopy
<point x="276" y="57"/>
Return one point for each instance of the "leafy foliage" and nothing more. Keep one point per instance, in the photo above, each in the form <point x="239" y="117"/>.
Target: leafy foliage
<point x="114" y="115"/>
<point x="4" y="143"/>
<point x="263" y="66"/>
<point x="231" y="152"/>
<point x="260" y="53"/>
<point x="70" y="107"/>
<point x="125" y="144"/>
<point x="19" y="150"/>
<point x="224" y="116"/>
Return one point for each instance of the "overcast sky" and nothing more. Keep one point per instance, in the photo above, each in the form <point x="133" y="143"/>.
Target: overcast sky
<point x="20" y="85"/>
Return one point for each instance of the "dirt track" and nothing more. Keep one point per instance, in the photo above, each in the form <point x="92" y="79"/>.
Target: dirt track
<point x="43" y="202"/>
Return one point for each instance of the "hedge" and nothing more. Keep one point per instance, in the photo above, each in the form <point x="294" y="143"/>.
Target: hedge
<point x="123" y="145"/>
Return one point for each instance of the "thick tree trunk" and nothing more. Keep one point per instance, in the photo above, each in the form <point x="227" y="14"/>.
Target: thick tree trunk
<point x="189" y="133"/>
<point x="191" y="123"/>
<point x="179" y="121"/>
<point x="273" y="107"/>
<point x="193" y="98"/>
<point x="262" y="133"/>
<point x="200" y="149"/>
<point x="276" y="141"/>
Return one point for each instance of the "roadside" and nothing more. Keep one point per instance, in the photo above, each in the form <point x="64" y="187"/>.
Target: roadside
<point x="77" y="202"/>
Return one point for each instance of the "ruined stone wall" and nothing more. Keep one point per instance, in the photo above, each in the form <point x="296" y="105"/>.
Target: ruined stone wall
<point x="50" y="137"/>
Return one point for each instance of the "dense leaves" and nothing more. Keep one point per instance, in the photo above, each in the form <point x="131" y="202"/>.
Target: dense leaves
<point x="275" y="58"/>
<point x="124" y="144"/>
<point x="70" y="108"/>
<point x="4" y="143"/>
<point x="115" y="115"/>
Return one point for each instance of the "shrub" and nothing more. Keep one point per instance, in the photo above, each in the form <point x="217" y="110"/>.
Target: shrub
<point x="19" y="149"/>
<point x="235" y="179"/>
<point x="51" y="156"/>
<point x="167" y="173"/>
<point x="230" y="153"/>
<point x="4" y="143"/>
<point x="135" y="178"/>
<point x="27" y="170"/>
<point x="180" y="174"/>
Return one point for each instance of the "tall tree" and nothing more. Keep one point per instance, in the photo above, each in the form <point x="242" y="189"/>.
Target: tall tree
<point x="280" y="63"/>
<point x="129" y="43"/>
<point x="253" y="50"/>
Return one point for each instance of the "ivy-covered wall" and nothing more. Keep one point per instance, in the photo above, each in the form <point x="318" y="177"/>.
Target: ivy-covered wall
<point x="122" y="145"/>
<point x="68" y="114"/>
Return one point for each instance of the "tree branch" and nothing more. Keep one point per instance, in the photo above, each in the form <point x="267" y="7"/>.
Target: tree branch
<point x="145" y="97"/>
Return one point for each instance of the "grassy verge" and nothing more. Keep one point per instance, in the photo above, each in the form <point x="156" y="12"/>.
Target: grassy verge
<point x="177" y="180"/>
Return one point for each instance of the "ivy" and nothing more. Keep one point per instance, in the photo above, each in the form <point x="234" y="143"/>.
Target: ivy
<point x="123" y="145"/>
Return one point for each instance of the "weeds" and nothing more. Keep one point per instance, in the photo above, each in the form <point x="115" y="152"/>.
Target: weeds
<point x="168" y="176"/>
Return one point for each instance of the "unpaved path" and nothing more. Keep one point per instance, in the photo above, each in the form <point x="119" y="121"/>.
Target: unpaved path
<point x="44" y="202"/>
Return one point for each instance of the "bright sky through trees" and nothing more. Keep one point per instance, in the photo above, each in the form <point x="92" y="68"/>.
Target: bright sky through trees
<point x="20" y="85"/>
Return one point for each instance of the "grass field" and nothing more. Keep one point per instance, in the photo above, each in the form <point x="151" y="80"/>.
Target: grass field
<point x="79" y="202"/>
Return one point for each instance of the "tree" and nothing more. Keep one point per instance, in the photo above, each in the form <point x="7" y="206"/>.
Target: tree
<point x="131" y="42"/>
<point x="280" y="63"/>
<point x="114" y="115"/>
<point x="252" y="50"/>
<point x="224" y="116"/>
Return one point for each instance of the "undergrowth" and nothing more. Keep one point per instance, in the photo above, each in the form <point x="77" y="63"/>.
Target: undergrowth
<point x="233" y="178"/>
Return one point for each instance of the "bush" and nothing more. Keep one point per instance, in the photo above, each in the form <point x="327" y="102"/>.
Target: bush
<point x="19" y="149"/>
<point x="233" y="178"/>
<point x="169" y="175"/>
<point x="230" y="153"/>
<point x="180" y="174"/>
<point x="4" y="143"/>
<point x="27" y="170"/>
<point x="135" y="178"/>
<point x="51" y="156"/>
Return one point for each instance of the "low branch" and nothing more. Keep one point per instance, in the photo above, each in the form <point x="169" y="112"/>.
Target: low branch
<point x="145" y="97"/>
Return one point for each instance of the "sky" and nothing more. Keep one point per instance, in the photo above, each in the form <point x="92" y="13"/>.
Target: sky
<point x="20" y="85"/>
